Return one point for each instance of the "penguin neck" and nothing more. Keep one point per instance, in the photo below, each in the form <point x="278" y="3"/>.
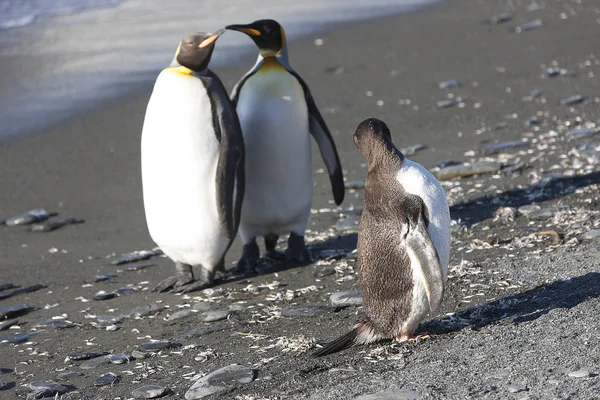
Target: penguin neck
<point x="386" y="159"/>
<point x="281" y="57"/>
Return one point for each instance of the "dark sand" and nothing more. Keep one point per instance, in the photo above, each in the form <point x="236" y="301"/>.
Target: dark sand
<point x="539" y="319"/>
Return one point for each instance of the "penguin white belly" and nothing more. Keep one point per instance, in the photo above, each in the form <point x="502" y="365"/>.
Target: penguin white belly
<point x="279" y="183"/>
<point x="179" y="163"/>
<point x="417" y="180"/>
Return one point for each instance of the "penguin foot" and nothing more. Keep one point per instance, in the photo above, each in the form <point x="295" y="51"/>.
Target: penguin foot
<point x="192" y="287"/>
<point x="249" y="258"/>
<point x="297" y="251"/>
<point x="185" y="275"/>
<point x="275" y="255"/>
<point x="411" y="338"/>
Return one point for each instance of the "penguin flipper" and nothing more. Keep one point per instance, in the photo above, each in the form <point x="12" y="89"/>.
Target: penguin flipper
<point x="319" y="131"/>
<point x="424" y="257"/>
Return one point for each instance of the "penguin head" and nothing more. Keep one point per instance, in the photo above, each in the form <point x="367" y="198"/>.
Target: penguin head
<point x="268" y="35"/>
<point x="374" y="141"/>
<point x="195" y="50"/>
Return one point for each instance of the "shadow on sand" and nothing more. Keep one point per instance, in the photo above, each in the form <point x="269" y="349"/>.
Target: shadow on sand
<point x="521" y="307"/>
<point x="482" y="208"/>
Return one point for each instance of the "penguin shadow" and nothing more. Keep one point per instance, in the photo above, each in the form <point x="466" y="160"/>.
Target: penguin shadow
<point x="485" y="207"/>
<point x="332" y="248"/>
<point x="520" y="307"/>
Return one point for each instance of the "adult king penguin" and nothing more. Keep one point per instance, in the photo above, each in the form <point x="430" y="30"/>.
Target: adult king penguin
<point x="403" y="242"/>
<point x="192" y="166"/>
<point x="278" y="113"/>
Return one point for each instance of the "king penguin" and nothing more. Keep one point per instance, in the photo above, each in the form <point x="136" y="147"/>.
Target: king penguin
<point x="403" y="242"/>
<point x="278" y="114"/>
<point x="192" y="166"/>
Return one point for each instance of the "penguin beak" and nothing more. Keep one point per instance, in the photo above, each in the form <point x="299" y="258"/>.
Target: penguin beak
<point x="210" y="40"/>
<point x="247" y="29"/>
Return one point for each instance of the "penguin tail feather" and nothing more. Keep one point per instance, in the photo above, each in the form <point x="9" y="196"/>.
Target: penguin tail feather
<point x="362" y="333"/>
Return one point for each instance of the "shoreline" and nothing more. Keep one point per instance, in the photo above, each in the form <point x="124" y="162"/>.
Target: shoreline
<point x="523" y="278"/>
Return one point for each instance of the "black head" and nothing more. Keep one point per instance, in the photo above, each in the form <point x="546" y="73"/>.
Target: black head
<point x="374" y="141"/>
<point x="268" y="35"/>
<point x="194" y="51"/>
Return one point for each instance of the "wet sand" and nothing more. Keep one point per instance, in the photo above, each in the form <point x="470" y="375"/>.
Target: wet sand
<point x="390" y="69"/>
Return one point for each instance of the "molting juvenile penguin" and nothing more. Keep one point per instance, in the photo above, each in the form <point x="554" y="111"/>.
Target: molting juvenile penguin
<point x="277" y="113"/>
<point x="192" y="165"/>
<point x="403" y="242"/>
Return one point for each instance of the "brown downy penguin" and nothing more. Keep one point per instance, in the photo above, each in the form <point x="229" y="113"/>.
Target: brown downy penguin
<point x="403" y="242"/>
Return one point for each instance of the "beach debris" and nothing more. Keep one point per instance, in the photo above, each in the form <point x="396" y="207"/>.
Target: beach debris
<point x="220" y="380"/>
<point x="355" y="184"/>
<point x="57" y="323"/>
<point x="138" y="267"/>
<point x="580" y="373"/>
<point x="15" y="311"/>
<point x="575" y="99"/>
<point x="501" y="18"/>
<point x="157" y="345"/>
<point x="13" y="292"/>
<point x="517" y="388"/>
<point x="448" y="84"/>
<point x="323" y="272"/>
<point x="528" y="26"/>
<point x="346" y="298"/>
<point x="468" y="169"/>
<point x="591" y="235"/>
<point x="449" y="102"/>
<point x="52" y="225"/>
<point x="109" y="378"/>
<point x="532" y="121"/>
<point x="535" y="93"/>
<point x="499" y="147"/>
<point x="505" y="214"/>
<point x="120" y="358"/>
<point x="446" y="163"/>
<point x="150" y="392"/>
<point x="135" y="256"/>
<point x="29" y="217"/>
<point x="95" y="362"/>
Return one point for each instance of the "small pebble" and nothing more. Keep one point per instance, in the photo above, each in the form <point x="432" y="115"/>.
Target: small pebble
<point x="582" y="373"/>
<point x="536" y="23"/>
<point x="138" y="355"/>
<point x="102" y="295"/>
<point x="126" y="291"/>
<point x="517" y="388"/>
<point x="107" y="379"/>
<point x="138" y="267"/>
<point x="324" y="271"/>
<point x="346" y="298"/>
<point x="446" y="163"/>
<point x="499" y="147"/>
<point x="3" y="385"/>
<point x="143" y="311"/>
<point x="179" y="315"/>
<point x="306" y="311"/>
<point x="29" y="217"/>
<point x="448" y="84"/>
<point x="49" y="225"/>
<point x="212" y="316"/>
<point x="94" y="362"/>
<point x="99" y="278"/>
<point x="572" y="100"/>
<point x="158" y="345"/>
<point x="220" y="380"/>
<point x="87" y="355"/>
<point x="56" y="324"/>
<point x="202" y="306"/>
<point x="579" y="133"/>
<point x="18" y="339"/>
<point x="119" y="358"/>
<point x="501" y="18"/>
<point x="109" y="319"/>
<point x="149" y="392"/>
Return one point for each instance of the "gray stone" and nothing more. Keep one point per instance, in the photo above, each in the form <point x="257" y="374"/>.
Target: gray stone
<point x="576" y="99"/>
<point x="107" y="379"/>
<point x="517" y="388"/>
<point x="501" y="374"/>
<point x="179" y="315"/>
<point x="140" y="355"/>
<point x="15" y="311"/>
<point x="3" y="385"/>
<point x="220" y="380"/>
<point x="119" y="358"/>
<point x="546" y="213"/>
<point x="579" y="133"/>
<point x="212" y="316"/>
<point x="464" y="170"/>
<point x="582" y="373"/>
<point x="306" y="311"/>
<point x="106" y="320"/>
<point x="87" y="355"/>
<point x="591" y="235"/>
<point x="346" y="298"/>
<point x="452" y="83"/>
<point x="347" y="224"/>
<point x="99" y="278"/>
<point x="528" y="209"/>
<point x="499" y="147"/>
<point x="56" y="323"/>
<point x="40" y="389"/>
<point x="202" y="306"/>
<point x="102" y="295"/>
<point x="402" y="394"/>
<point x="94" y="362"/>
<point x="7" y="324"/>
<point x="126" y="291"/>
<point x="149" y="392"/>
<point x="18" y="339"/>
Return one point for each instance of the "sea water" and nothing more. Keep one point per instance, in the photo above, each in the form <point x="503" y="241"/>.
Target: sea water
<point x="59" y="58"/>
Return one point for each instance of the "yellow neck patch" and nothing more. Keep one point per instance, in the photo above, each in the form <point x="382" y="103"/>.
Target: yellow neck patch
<point x="180" y="70"/>
<point x="270" y="64"/>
